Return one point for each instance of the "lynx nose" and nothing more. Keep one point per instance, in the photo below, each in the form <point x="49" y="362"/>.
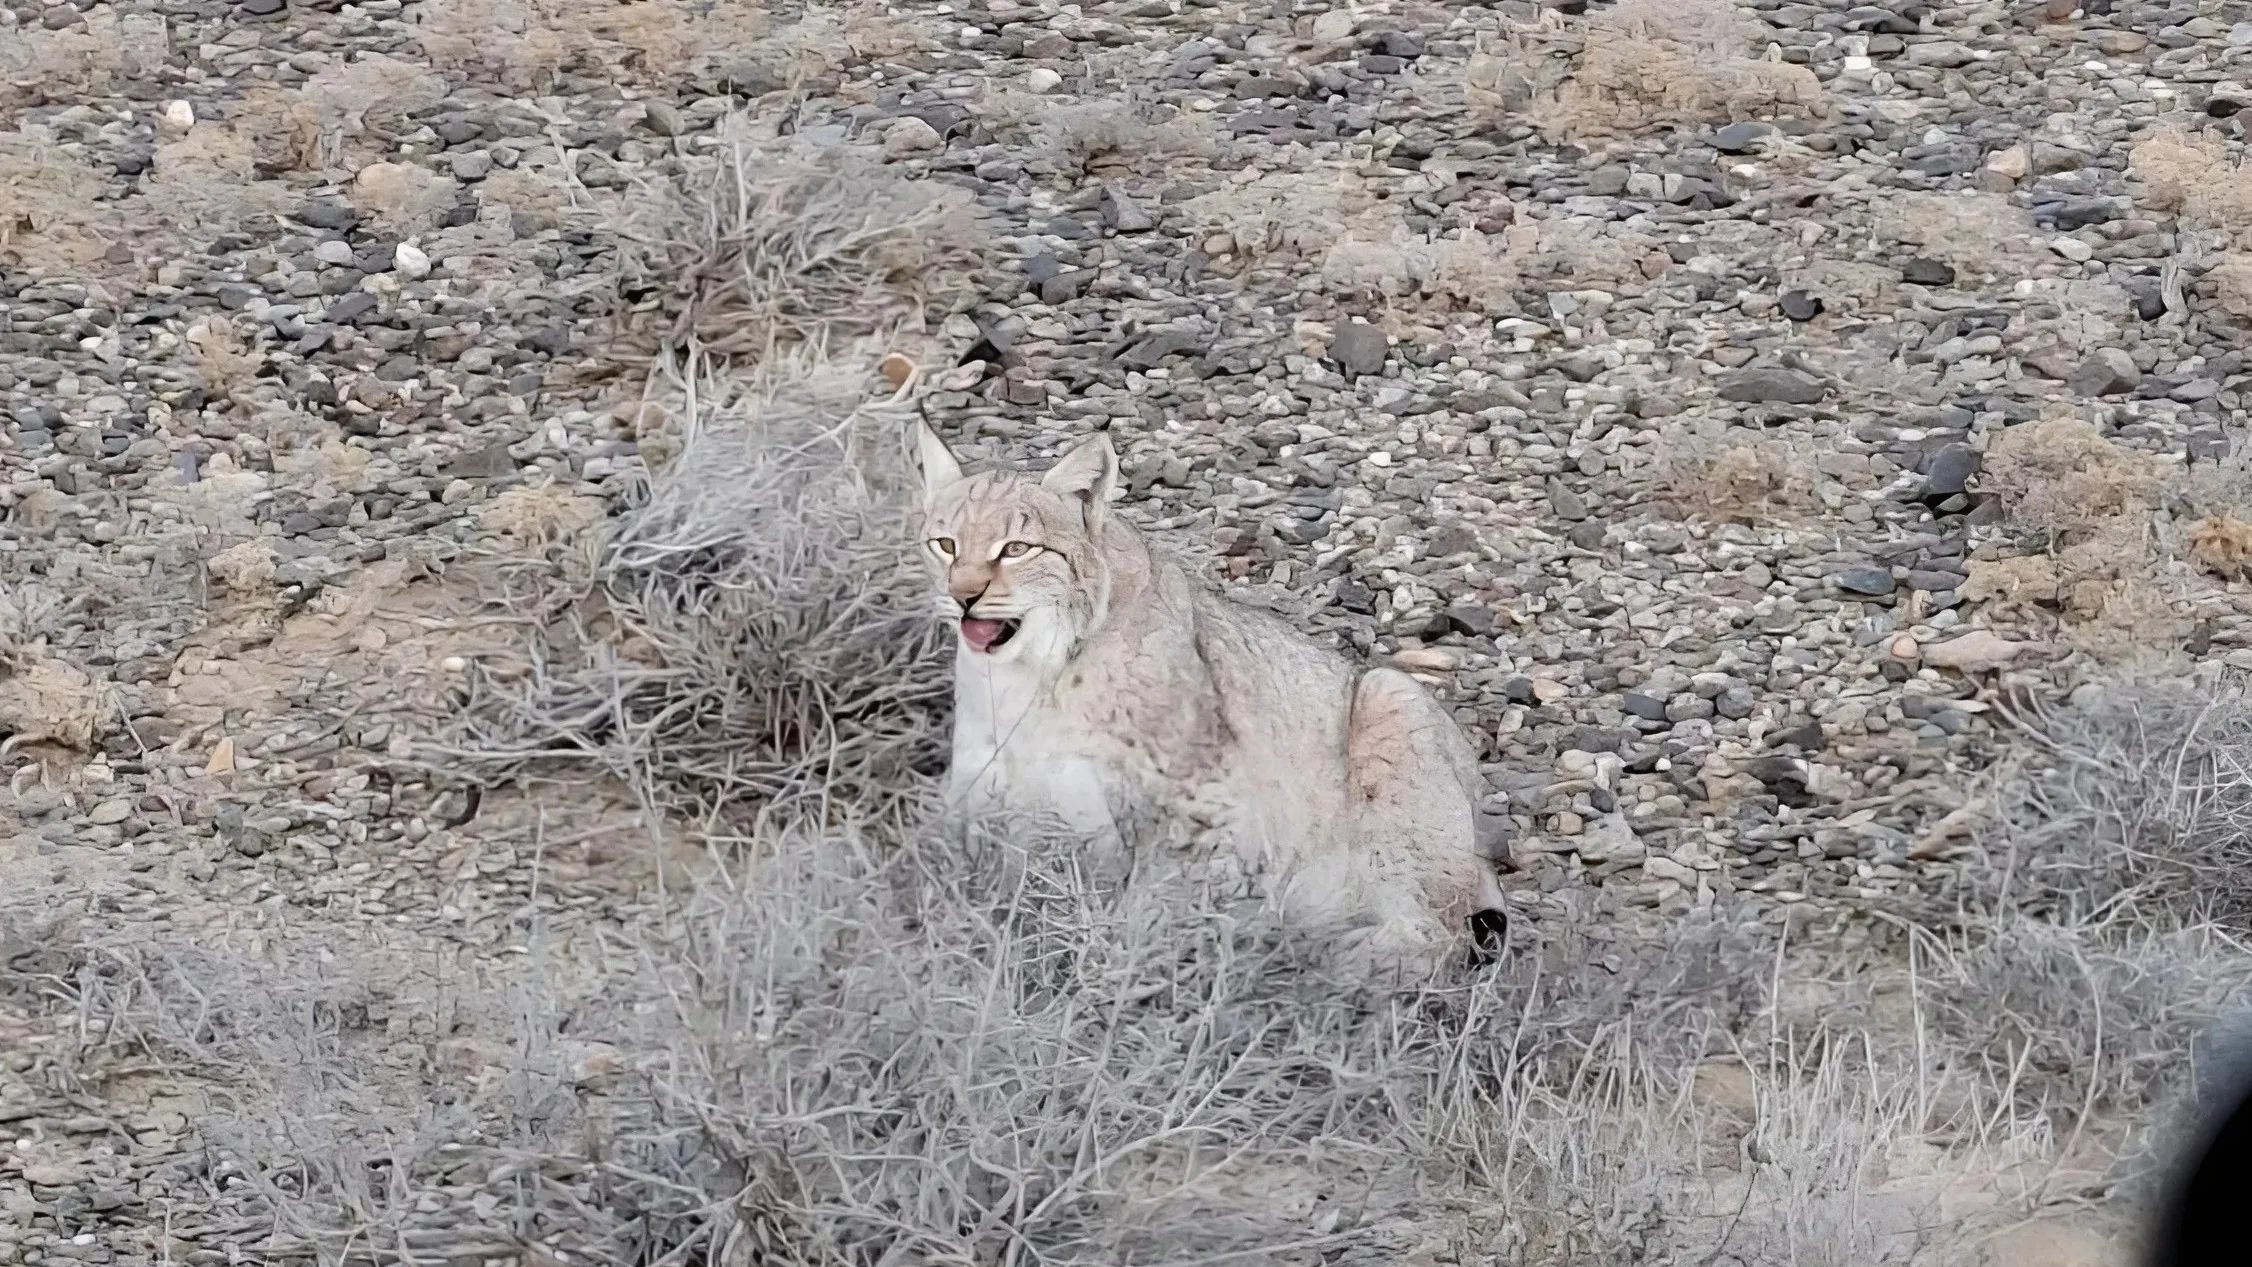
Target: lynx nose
<point x="967" y="591"/>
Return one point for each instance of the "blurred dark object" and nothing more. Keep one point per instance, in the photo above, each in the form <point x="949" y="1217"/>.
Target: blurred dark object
<point x="2204" y="1220"/>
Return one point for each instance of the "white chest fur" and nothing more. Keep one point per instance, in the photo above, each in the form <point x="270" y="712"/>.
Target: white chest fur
<point x="1013" y="747"/>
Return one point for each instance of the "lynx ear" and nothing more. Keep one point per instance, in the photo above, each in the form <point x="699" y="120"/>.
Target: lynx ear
<point x="1088" y="473"/>
<point x="941" y="470"/>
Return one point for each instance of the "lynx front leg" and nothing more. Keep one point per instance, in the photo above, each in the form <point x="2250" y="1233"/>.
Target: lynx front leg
<point x="1411" y="775"/>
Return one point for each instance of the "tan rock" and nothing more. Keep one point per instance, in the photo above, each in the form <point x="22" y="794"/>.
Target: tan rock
<point x="1980" y="651"/>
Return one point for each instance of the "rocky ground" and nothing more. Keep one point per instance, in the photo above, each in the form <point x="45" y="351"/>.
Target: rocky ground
<point x="1733" y="412"/>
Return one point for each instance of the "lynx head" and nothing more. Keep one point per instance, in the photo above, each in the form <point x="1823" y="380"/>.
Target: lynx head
<point x="1018" y="555"/>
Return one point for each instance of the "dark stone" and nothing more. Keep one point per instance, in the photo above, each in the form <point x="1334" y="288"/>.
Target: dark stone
<point x="1588" y="536"/>
<point x="351" y="308"/>
<point x="1069" y="229"/>
<point x="1807" y="738"/>
<point x="1872" y="582"/>
<point x="1646" y="707"/>
<point x="2106" y="372"/>
<point x="491" y="462"/>
<point x="332" y="214"/>
<point x="1770" y="387"/>
<point x="1382" y="64"/>
<point x="1519" y="690"/>
<point x="262" y="8"/>
<point x="1925" y="272"/>
<point x="1066" y="286"/>
<point x="1359" y="348"/>
<point x="1949" y="468"/>
<point x="1741" y="138"/>
<point x="1800" y="306"/>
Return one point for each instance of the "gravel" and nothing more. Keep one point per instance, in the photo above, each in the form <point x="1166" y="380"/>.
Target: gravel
<point x="1658" y="446"/>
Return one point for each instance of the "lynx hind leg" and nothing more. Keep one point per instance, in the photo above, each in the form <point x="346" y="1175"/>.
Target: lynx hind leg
<point x="1412" y="775"/>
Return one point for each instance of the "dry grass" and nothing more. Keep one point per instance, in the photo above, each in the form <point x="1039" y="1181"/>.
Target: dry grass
<point x="39" y="66"/>
<point x="1707" y="467"/>
<point x="765" y="249"/>
<point x="530" y="44"/>
<point x="1640" y="65"/>
<point x="1978" y="234"/>
<point x="2085" y="506"/>
<point x="753" y="627"/>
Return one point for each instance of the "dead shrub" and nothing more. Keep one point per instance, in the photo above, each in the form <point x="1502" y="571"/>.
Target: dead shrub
<point x="1977" y="234"/>
<point x="759" y="629"/>
<point x="40" y="66"/>
<point x="1708" y="468"/>
<point x="530" y="44"/>
<point x="46" y="199"/>
<point x="2222" y="545"/>
<point x="1640" y="65"/>
<point x="2062" y="478"/>
<point x="765" y="248"/>
<point x="401" y="198"/>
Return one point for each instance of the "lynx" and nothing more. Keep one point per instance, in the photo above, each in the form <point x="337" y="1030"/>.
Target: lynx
<point x="1096" y="681"/>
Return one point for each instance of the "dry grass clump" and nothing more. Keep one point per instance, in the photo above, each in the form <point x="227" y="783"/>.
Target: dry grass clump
<point x="756" y="629"/>
<point x="2222" y="545"/>
<point x="2086" y="505"/>
<point x="2142" y="809"/>
<point x="1977" y="234"/>
<point x="739" y="45"/>
<point x="970" y="1047"/>
<point x="2061" y="477"/>
<point x="764" y="247"/>
<point x="45" y="198"/>
<point x="1708" y="467"/>
<point x="39" y="66"/>
<point x="1640" y="65"/>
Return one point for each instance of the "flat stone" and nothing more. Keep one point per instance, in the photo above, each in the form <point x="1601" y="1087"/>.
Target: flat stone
<point x="1925" y="272"/>
<point x="1871" y="582"/>
<point x="1770" y="387"/>
<point x="491" y="462"/>
<point x="1741" y="138"/>
<point x="2106" y="372"/>
<point x="1359" y="348"/>
<point x="1979" y="651"/>
<point x="1949" y="468"/>
<point x="1646" y="707"/>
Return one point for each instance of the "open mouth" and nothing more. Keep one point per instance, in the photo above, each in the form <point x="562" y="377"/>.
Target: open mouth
<point x="987" y="635"/>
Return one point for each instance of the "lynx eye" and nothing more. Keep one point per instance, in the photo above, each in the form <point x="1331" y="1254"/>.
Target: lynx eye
<point x="944" y="545"/>
<point x="1016" y="550"/>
